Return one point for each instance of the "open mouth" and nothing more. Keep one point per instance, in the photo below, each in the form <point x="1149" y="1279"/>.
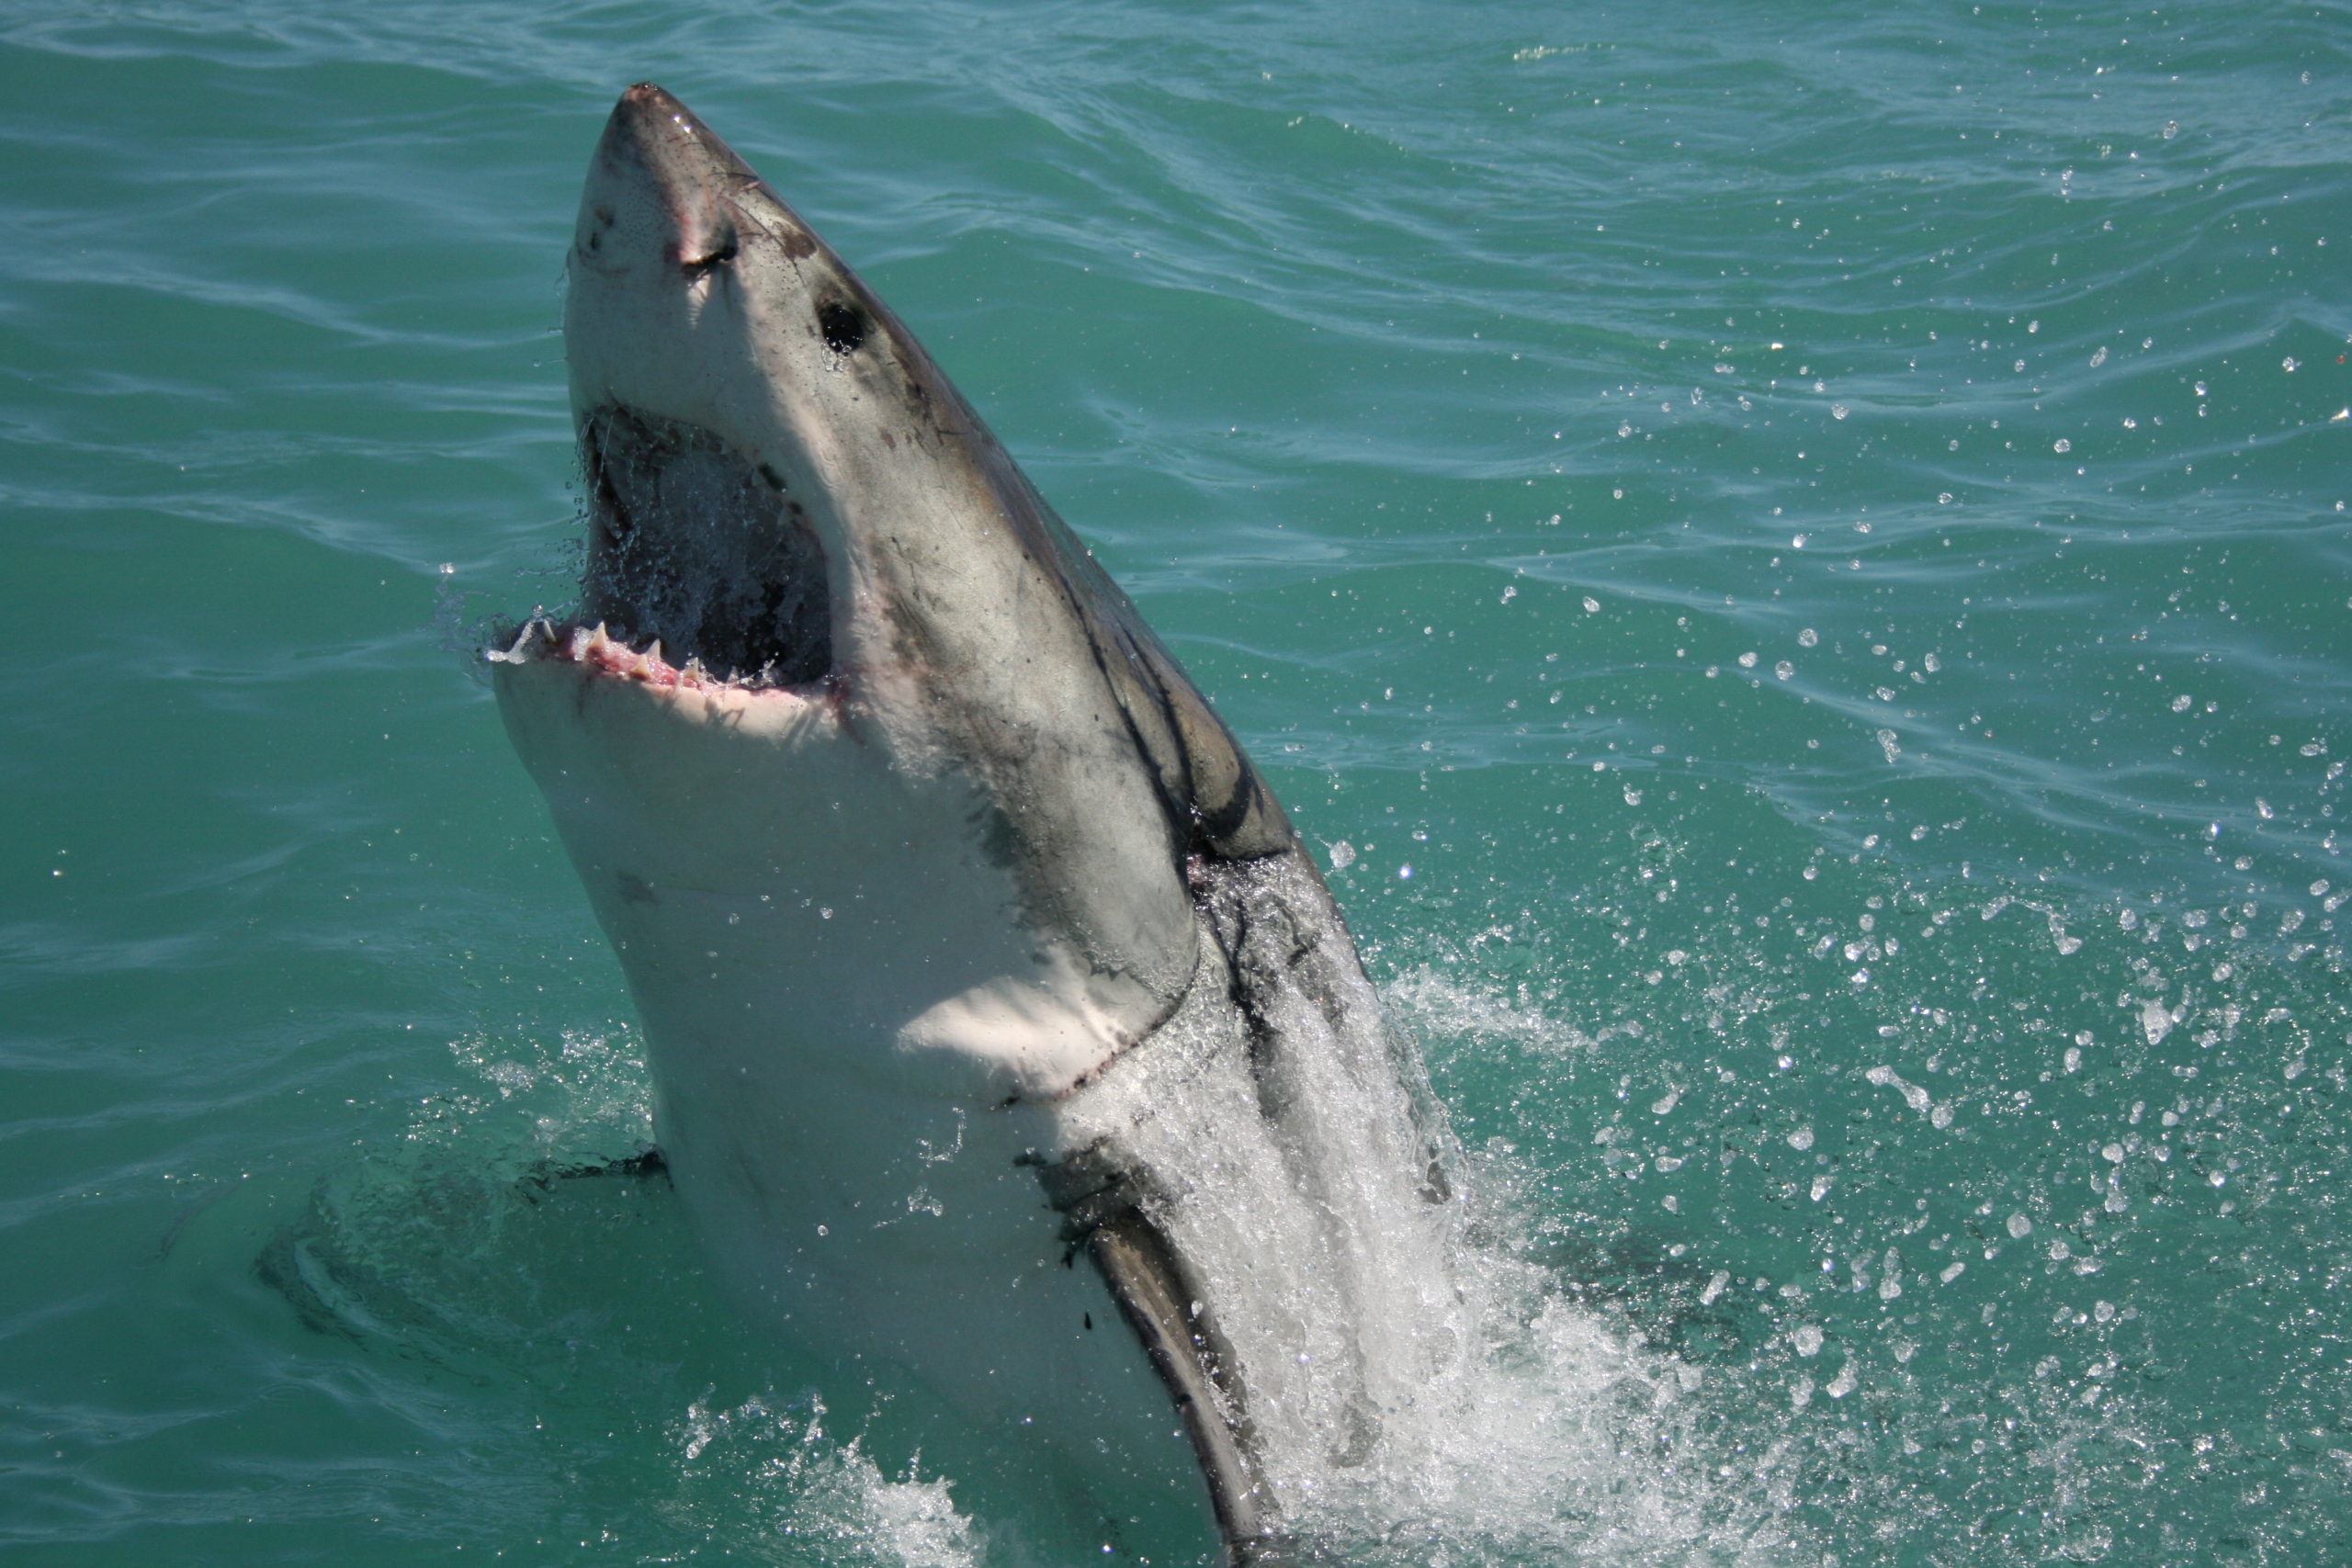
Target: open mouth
<point x="701" y="570"/>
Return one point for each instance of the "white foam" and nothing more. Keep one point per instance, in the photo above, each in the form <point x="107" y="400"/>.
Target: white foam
<point x="809" y="1490"/>
<point x="1415" y="1391"/>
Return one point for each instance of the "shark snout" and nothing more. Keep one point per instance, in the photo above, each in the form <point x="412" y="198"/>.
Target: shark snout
<point x="660" y="191"/>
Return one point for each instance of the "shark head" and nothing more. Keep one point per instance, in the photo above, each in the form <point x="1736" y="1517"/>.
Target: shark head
<point x="844" y="706"/>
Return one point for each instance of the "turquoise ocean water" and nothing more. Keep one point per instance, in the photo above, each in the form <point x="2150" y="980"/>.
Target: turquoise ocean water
<point x="1793" y="561"/>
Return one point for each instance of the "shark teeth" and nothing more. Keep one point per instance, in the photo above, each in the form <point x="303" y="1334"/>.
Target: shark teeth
<point x="596" y="648"/>
<point x="531" y="638"/>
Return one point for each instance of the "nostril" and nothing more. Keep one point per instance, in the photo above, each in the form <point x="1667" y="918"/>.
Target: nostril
<point x="844" y="326"/>
<point x="719" y="254"/>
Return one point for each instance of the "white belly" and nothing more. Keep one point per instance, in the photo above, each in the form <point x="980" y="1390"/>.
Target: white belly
<point x="853" y="1045"/>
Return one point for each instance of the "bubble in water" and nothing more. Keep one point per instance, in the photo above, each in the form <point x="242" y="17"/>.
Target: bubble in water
<point x="2019" y="1228"/>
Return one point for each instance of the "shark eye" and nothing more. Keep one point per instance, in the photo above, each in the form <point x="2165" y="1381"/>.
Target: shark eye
<point x="844" y="326"/>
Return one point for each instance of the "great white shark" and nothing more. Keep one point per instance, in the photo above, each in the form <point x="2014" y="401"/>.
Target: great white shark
<point x="1009" y="1053"/>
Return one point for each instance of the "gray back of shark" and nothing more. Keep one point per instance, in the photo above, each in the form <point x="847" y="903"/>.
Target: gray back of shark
<point x="966" y="939"/>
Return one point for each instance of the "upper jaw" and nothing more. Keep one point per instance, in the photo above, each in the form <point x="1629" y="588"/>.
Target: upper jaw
<point x="707" y="527"/>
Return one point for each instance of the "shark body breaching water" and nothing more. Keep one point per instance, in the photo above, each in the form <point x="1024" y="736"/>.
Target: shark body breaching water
<point x="1009" y="1053"/>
